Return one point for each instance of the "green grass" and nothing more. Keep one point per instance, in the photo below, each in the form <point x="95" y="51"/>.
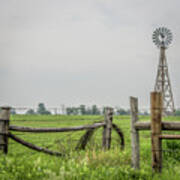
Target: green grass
<point x="22" y="163"/>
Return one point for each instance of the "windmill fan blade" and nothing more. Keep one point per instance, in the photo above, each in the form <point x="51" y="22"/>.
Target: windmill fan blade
<point x="162" y="37"/>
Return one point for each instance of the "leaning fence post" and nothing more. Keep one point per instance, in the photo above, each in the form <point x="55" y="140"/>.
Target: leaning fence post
<point x="134" y="133"/>
<point x="107" y="128"/>
<point x="4" y="127"/>
<point x="156" y="116"/>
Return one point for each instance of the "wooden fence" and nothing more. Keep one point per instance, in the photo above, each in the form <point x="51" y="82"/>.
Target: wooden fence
<point x="108" y="125"/>
<point x="156" y="126"/>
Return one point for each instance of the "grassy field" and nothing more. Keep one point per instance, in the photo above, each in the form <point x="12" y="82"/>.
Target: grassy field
<point x="22" y="163"/>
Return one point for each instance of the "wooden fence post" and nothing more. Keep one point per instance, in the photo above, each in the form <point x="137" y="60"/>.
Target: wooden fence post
<point x="134" y="133"/>
<point x="4" y="127"/>
<point x="107" y="128"/>
<point x="156" y="116"/>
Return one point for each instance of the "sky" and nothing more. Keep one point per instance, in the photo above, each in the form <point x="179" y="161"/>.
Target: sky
<point x="84" y="51"/>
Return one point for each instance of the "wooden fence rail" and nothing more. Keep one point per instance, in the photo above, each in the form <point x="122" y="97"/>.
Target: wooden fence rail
<point x="48" y="130"/>
<point x="165" y="125"/>
<point x="5" y="133"/>
<point x="34" y="147"/>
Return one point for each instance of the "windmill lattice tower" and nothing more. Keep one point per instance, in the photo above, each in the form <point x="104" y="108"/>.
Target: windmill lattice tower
<point x="162" y="37"/>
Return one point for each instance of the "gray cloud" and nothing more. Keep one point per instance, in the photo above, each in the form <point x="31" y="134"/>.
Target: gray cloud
<point x="75" y="52"/>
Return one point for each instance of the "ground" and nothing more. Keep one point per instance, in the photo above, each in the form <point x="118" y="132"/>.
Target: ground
<point x="22" y="163"/>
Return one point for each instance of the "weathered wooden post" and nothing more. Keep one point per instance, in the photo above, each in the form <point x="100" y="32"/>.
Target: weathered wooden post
<point x="134" y="133"/>
<point x="156" y="116"/>
<point x="4" y="127"/>
<point x="108" y="118"/>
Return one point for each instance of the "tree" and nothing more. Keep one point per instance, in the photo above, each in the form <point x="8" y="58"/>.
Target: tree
<point x="122" y="111"/>
<point x="72" y="110"/>
<point x="95" y="110"/>
<point x="82" y="109"/>
<point x="69" y="111"/>
<point x="89" y="111"/>
<point x="30" y="112"/>
<point x="75" y="110"/>
<point x="104" y="110"/>
<point x="42" y="109"/>
<point x="13" y="111"/>
<point x="177" y="112"/>
<point x="145" y="113"/>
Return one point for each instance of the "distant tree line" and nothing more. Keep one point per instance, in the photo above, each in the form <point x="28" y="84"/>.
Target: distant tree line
<point x="78" y="110"/>
<point x="93" y="110"/>
<point x="121" y="111"/>
<point x="83" y="110"/>
<point x="40" y="110"/>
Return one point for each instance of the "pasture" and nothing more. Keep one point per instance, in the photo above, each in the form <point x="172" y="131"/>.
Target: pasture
<point x="22" y="163"/>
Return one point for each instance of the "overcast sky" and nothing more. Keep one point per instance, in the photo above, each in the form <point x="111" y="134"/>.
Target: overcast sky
<point x="84" y="51"/>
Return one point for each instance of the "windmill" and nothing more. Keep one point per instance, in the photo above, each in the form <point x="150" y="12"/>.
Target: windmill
<point x="162" y="37"/>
